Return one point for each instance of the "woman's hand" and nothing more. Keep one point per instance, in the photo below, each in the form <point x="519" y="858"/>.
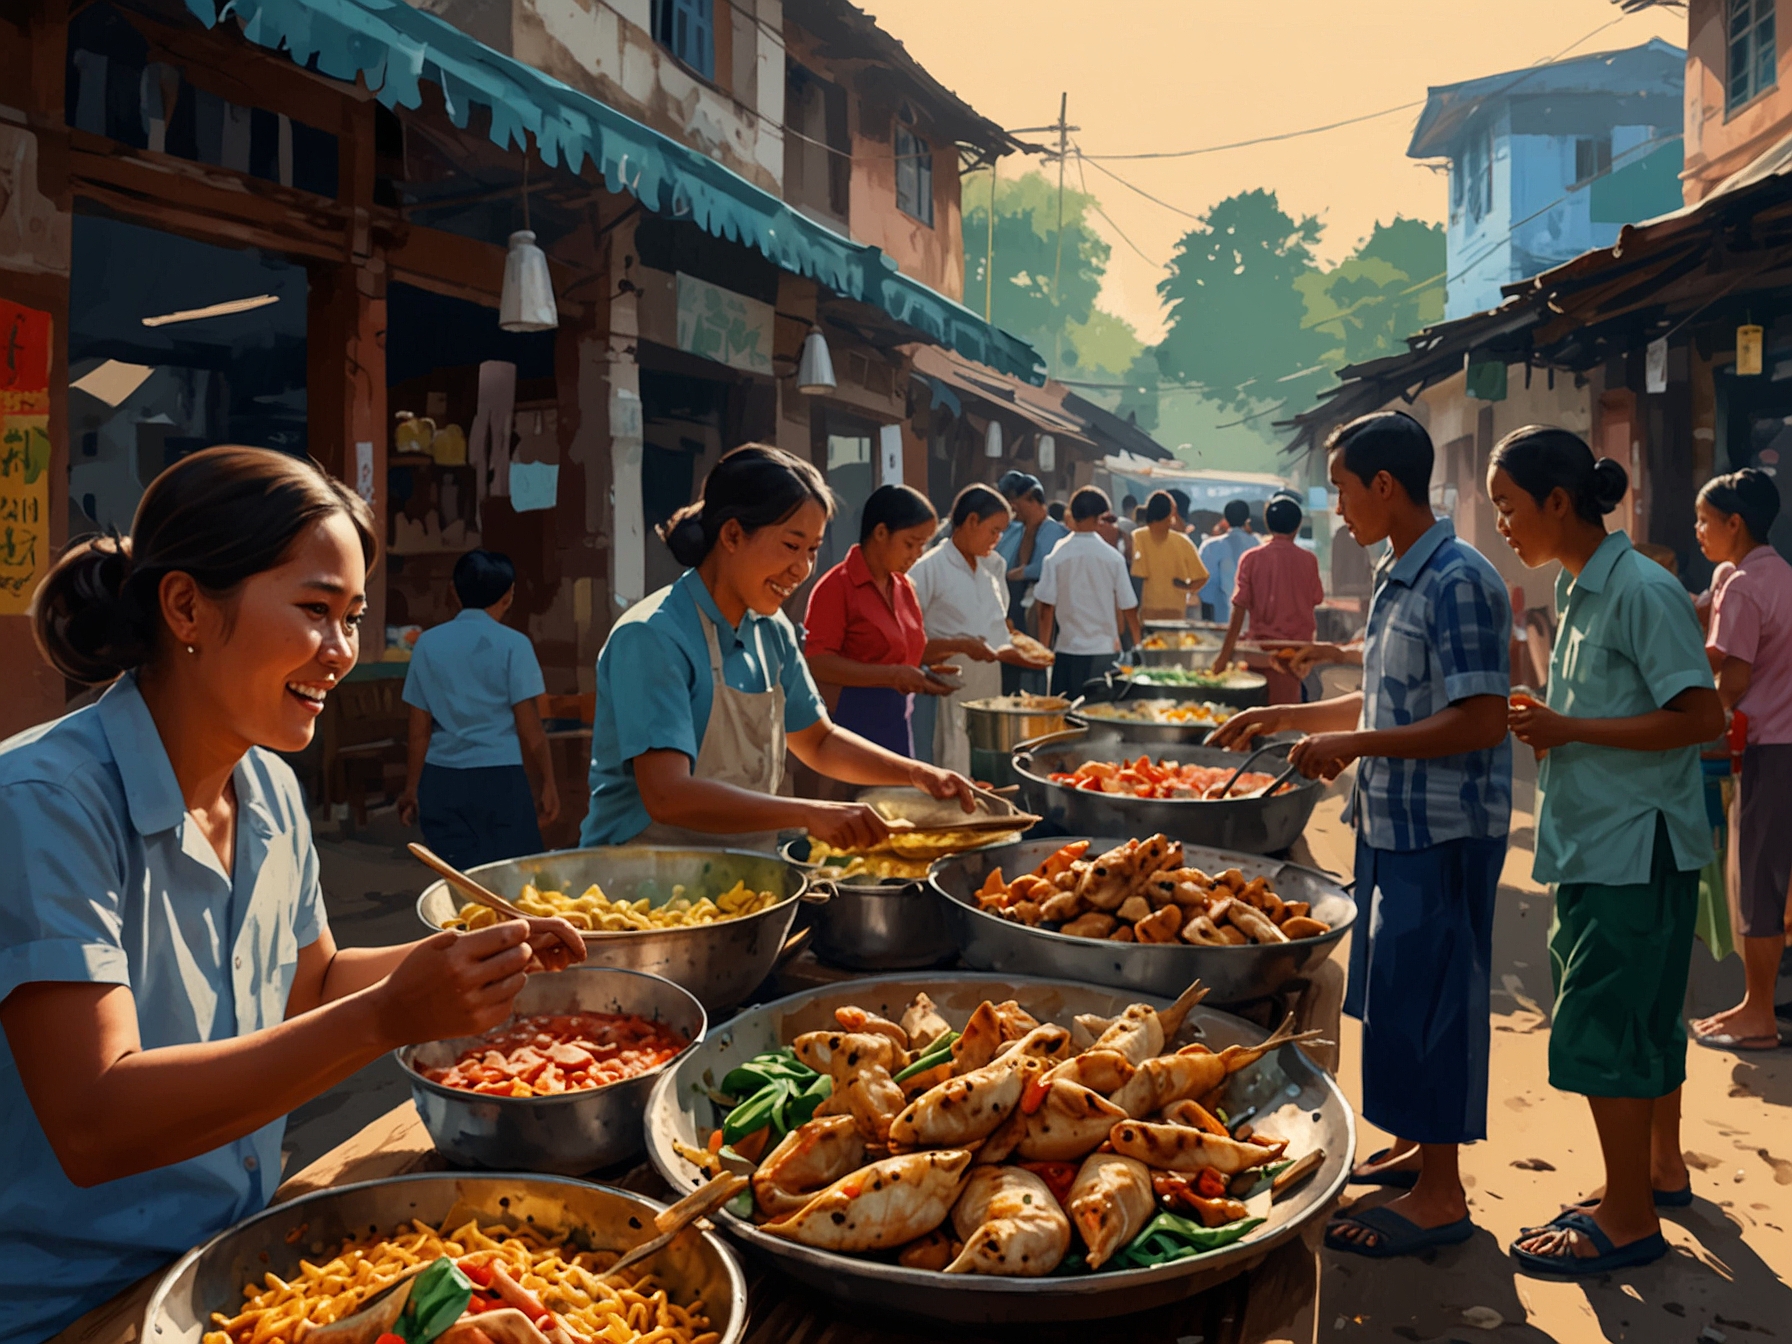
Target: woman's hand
<point x="978" y="650"/>
<point x="938" y="783"/>
<point x="1237" y="732"/>
<point x="1538" y="726"/>
<point x="913" y="681"/>
<point x="1015" y="658"/>
<point x="556" y="944"/>
<point x="847" y="826"/>
<point x="1324" y="755"/>
<point x="457" y="984"/>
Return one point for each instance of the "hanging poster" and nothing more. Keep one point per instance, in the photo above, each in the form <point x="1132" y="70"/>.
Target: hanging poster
<point x="724" y="326"/>
<point x="24" y="454"/>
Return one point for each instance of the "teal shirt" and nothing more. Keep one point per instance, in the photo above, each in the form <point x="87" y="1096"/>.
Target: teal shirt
<point x="654" y="692"/>
<point x="471" y="673"/>
<point x="1628" y="643"/>
<point x="107" y="880"/>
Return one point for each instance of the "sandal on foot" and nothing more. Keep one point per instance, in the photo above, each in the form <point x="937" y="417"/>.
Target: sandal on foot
<point x="1564" y="1263"/>
<point x="1394" y="1235"/>
<point x="1724" y="1040"/>
<point x="1394" y="1180"/>
<point x="1664" y="1199"/>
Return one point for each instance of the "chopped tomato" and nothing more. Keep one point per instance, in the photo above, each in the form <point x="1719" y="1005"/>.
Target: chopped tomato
<point x="1058" y="1177"/>
<point x="481" y="1275"/>
<point x="1210" y="1184"/>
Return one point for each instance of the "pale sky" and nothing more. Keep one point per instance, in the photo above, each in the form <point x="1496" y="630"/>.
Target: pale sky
<point x="1154" y="75"/>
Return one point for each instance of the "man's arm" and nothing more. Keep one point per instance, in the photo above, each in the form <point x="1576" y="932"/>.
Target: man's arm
<point x="1045" y="613"/>
<point x="416" y="749"/>
<point x="540" y="760"/>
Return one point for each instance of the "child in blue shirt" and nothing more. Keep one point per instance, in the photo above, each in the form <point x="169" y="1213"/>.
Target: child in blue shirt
<point x="471" y="687"/>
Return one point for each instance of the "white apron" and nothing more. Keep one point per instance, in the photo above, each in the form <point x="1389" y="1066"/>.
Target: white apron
<point x="742" y="745"/>
<point x="951" y="743"/>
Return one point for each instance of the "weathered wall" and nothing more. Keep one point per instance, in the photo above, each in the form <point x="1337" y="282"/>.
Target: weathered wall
<point x="1720" y="143"/>
<point x="605" y="48"/>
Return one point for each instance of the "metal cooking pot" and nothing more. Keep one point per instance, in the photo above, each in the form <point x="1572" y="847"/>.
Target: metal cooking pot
<point x="1141" y="730"/>
<point x="870" y="925"/>
<point x="721" y="963"/>
<point x="572" y="1133"/>
<point x="1253" y="825"/>
<point x="696" y="1265"/>
<point x="1234" y="974"/>
<point x="1295" y="1100"/>
<point x="994" y="726"/>
<point x="1241" y="690"/>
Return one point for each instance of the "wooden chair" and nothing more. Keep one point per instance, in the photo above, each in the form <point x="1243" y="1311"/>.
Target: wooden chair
<point x="365" y="726"/>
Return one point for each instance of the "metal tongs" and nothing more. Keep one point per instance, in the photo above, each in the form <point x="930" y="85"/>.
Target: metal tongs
<point x="1270" y="788"/>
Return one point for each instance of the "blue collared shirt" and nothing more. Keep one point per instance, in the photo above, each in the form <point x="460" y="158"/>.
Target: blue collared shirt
<point x="1629" y="642"/>
<point x="107" y="880"/>
<point x="1050" y="533"/>
<point x="1440" y="627"/>
<point x="1220" y="554"/>
<point x="470" y="673"/>
<point x="654" y="692"/>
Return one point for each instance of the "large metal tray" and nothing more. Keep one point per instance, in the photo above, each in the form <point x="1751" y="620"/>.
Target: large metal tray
<point x="211" y="1277"/>
<point x="1295" y="1099"/>
<point x="1233" y="974"/>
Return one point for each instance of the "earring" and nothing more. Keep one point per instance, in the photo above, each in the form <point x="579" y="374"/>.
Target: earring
<point x="191" y="649"/>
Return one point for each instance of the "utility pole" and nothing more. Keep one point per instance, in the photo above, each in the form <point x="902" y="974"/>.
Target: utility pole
<point x="989" y="252"/>
<point x="1063" y="129"/>
<point x="1063" y="152"/>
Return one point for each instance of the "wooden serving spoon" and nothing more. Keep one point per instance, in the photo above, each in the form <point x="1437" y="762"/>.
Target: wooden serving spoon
<point x="704" y="1200"/>
<point x="483" y="895"/>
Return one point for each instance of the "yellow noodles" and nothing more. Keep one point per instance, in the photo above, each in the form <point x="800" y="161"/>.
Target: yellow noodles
<point x="596" y="911"/>
<point x="280" y="1311"/>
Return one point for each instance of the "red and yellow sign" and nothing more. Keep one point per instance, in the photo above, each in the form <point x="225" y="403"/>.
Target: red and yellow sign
<point x="24" y="454"/>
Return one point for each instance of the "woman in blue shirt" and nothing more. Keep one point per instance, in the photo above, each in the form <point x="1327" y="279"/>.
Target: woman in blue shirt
<point x="702" y="686"/>
<point x="169" y="989"/>
<point x="1621" y="831"/>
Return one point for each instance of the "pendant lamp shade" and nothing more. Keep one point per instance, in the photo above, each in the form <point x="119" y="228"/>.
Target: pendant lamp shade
<point x="815" y="369"/>
<point x="527" y="301"/>
<point x="992" y="439"/>
<point x="1048" y="453"/>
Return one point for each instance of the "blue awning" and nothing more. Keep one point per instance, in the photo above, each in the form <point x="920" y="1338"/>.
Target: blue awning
<point x="396" y="49"/>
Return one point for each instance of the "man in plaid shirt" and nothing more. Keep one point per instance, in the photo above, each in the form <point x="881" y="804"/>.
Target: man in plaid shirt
<point x="1432" y="802"/>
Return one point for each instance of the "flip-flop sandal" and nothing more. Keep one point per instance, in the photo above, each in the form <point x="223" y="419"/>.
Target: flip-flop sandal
<point x="1394" y="1235"/>
<point x="1664" y="1199"/>
<point x="1564" y="1263"/>
<point x="1394" y="1180"/>
<point x="1723" y="1040"/>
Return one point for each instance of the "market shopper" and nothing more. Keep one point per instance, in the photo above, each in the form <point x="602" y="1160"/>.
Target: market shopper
<point x="1621" y="832"/>
<point x="1029" y="537"/>
<point x="1431" y="806"/>
<point x="472" y="685"/>
<point x="962" y="588"/>
<point x="1279" y="589"/>
<point x="1220" y="555"/>
<point x="1750" y="648"/>
<point x="701" y="686"/>
<point x="169" y="986"/>
<point x="1166" y="562"/>
<point x="864" y="631"/>
<point x="1085" y="598"/>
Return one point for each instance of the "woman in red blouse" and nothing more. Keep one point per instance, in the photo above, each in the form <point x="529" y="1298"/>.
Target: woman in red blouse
<point x="864" y="632"/>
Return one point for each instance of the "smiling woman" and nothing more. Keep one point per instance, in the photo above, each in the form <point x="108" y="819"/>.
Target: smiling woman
<point x="169" y="988"/>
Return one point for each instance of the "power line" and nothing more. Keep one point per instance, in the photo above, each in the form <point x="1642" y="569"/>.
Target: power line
<point x="1264" y="139"/>
<point x="1095" y="205"/>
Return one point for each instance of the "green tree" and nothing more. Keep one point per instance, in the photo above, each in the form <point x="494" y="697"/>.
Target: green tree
<point x="1237" y="315"/>
<point x="1391" y="287"/>
<point x="1066" y="324"/>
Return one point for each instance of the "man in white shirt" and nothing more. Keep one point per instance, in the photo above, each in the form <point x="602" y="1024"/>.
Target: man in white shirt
<point x="1084" y="597"/>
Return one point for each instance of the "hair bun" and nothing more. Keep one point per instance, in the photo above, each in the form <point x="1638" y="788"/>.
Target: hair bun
<point x="84" y="616"/>
<point x="1610" y="482"/>
<point x="683" y="535"/>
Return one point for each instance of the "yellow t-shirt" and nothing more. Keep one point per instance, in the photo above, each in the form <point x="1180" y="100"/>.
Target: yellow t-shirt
<point x="1161" y="563"/>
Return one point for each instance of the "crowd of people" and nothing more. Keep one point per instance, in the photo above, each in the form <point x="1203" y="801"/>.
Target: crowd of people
<point x="170" y="989"/>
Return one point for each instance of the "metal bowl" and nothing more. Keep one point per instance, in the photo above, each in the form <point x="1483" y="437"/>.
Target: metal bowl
<point x="211" y="1277"/>
<point x="1234" y="974"/>
<point x="871" y="925"/>
<point x="1295" y="1099"/>
<point x="720" y="963"/>
<point x="1140" y="730"/>
<point x="1253" y="825"/>
<point x="1241" y="690"/>
<point x="994" y="726"/>
<point x="574" y="1132"/>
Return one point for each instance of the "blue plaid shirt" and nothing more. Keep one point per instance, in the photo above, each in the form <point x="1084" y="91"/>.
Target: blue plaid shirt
<point x="1440" y="627"/>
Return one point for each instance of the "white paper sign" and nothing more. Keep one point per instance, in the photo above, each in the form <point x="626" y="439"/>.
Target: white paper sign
<point x="889" y="455"/>
<point x="364" y="470"/>
<point x="724" y="326"/>
<point x="1655" y="367"/>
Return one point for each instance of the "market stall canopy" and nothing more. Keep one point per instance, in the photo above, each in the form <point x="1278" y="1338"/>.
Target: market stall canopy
<point x="396" y="49"/>
<point x="1040" y="407"/>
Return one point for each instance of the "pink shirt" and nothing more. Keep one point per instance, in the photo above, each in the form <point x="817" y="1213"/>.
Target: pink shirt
<point x="1279" y="585"/>
<point x="1751" y="619"/>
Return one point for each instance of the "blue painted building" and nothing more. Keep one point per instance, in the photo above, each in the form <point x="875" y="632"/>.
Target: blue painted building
<point x="1548" y="162"/>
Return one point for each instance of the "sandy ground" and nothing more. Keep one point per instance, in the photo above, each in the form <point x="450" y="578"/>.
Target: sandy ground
<point x="1725" y="1280"/>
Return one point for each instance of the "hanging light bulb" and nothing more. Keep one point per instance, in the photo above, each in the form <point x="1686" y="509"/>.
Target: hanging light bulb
<point x="815" y="369"/>
<point x="1048" y="453"/>
<point x="992" y="439"/>
<point x="527" y="301"/>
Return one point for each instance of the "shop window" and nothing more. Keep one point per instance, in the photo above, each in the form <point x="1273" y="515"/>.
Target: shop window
<point x="1753" y="56"/>
<point x="686" y="28"/>
<point x="914" y="175"/>
<point x="848" y="450"/>
<point x="817" y="149"/>
<point x="1471" y="179"/>
<point x="1592" y="158"/>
